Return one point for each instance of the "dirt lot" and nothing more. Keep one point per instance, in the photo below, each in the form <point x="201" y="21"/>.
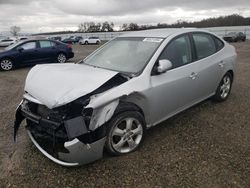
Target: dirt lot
<point x="205" y="146"/>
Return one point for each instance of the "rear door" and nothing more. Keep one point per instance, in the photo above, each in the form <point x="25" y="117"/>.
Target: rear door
<point x="210" y="62"/>
<point x="47" y="51"/>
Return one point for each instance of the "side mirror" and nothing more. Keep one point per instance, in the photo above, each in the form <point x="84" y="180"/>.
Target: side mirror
<point x="20" y="49"/>
<point x="164" y="65"/>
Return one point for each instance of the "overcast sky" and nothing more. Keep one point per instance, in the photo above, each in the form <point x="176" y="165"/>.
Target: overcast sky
<point x="56" y="15"/>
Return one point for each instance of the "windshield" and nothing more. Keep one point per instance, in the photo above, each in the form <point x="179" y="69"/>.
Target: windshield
<point x="13" y="45"/>
<point x="125" y="54"/>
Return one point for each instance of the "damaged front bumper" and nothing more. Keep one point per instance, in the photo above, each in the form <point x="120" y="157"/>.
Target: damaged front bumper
<point x="67" y="143"/>
<point x="79" y="153"/>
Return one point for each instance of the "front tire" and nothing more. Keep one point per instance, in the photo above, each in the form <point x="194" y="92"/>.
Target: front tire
<point x="125" y="133"/>
<point x="224" y="89"/>
<point x="61" y="58"/>
<point x="6" y="64"/>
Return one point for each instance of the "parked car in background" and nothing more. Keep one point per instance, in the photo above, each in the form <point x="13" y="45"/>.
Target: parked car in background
<point x="72" y="40"/>
<point x="110" y="99"/>
<point x="22" y="38"/>
<point x="7" y="42"/>
<point x="77" y="39"/>
<point x="90" y="40"/>
<point x="31" y="52"/>
<point x="56" y="38"/>
<point x="235" y="37"/>
<point x="68" y="41"/>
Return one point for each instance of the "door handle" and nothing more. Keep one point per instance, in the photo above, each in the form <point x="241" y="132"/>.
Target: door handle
<point x="193" y="75"/>
<point x="221" y="64"/>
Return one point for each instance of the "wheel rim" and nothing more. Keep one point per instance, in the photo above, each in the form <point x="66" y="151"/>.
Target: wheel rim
<point x="61" y="58"/>
<point x="225" y="87"/>
<point x="6" y="64"/>
<point x="127" y="135"/>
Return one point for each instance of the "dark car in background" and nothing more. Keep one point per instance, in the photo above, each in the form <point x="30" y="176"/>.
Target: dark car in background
<point x="77" y="39"/>
<point x="32" y="52"/>
<point x="72" y="40"/>
<point x="235" y="37"/>
<point x="56" y="38"/>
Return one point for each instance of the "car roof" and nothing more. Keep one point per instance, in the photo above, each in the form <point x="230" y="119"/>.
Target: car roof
<point x="32" y="40"/>
<point x="161" y="33"/>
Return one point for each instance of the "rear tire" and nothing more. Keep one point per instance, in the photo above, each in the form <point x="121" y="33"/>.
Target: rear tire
<point x="61" y="58"/>
<point x="6" y="64"/>
<point x="125" y="133"/>
<point x="86" y="42"/>
<point x="224" y="89"/>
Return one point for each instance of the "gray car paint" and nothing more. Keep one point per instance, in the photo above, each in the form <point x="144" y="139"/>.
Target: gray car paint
<point x="160" y="96"/>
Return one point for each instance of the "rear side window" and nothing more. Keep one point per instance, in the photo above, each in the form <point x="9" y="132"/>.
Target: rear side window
<point x="219" y="43"/>
<point x="178" y="51"/>
<point x="46" y="44"/>
<point x="204" y="45"/>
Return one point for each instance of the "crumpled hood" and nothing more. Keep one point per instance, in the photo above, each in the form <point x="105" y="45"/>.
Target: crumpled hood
<point x="58" y="84"/>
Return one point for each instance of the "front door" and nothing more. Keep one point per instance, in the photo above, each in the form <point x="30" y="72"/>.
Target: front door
<point x="28" y="55"/>
<point x="175" y="89"/>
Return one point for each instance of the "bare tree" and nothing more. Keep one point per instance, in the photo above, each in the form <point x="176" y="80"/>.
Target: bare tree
<point x="81" y="27"/>
<point x="14" y="30"/>
<point x="106" y="26"/>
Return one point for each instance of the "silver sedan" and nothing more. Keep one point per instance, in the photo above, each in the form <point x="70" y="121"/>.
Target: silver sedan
<point x="134" y="82"/>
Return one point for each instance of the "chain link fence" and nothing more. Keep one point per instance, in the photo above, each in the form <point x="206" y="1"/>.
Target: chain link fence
<point x="220" y="31"/>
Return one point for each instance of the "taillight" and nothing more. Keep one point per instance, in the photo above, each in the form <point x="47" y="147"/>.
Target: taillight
<point x="69" y="45"/>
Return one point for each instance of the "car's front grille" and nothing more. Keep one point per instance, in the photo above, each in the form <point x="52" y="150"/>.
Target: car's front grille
<point x="44" y="122"/>
<point x="49" y="114"/>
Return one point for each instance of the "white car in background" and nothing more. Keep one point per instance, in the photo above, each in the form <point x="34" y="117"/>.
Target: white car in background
<point x="22" y="38"/>
<point x="90" y="40"/>
<point x="7" y="42"/>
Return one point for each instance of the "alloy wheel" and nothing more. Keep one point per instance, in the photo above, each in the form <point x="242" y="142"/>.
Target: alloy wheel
<point x="6" y="64"/>
<point x="225" y="87"/>
<point x="127" y="135"/>
<point x="61" y="58"/>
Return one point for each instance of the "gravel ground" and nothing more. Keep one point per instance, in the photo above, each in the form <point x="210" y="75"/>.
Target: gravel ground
<point x="205" y="146"/>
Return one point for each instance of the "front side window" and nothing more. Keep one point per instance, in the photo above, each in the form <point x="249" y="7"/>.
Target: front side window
<point x="125" y="54"/>
<point x="204" y="45"/>
<point x="29" y="46"/>
<point x="178" y="51"/>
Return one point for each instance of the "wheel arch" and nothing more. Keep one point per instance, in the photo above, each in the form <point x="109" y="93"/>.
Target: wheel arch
<point x="105" y="112"/>
<point x="231" y="72"/>
<point x="8" y="57"/>
<point x="124" y="106"/>
<point x="61" y="52"/>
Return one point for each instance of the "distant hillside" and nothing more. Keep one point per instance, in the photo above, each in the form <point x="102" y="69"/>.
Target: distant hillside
<point x="231" y="20"/>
